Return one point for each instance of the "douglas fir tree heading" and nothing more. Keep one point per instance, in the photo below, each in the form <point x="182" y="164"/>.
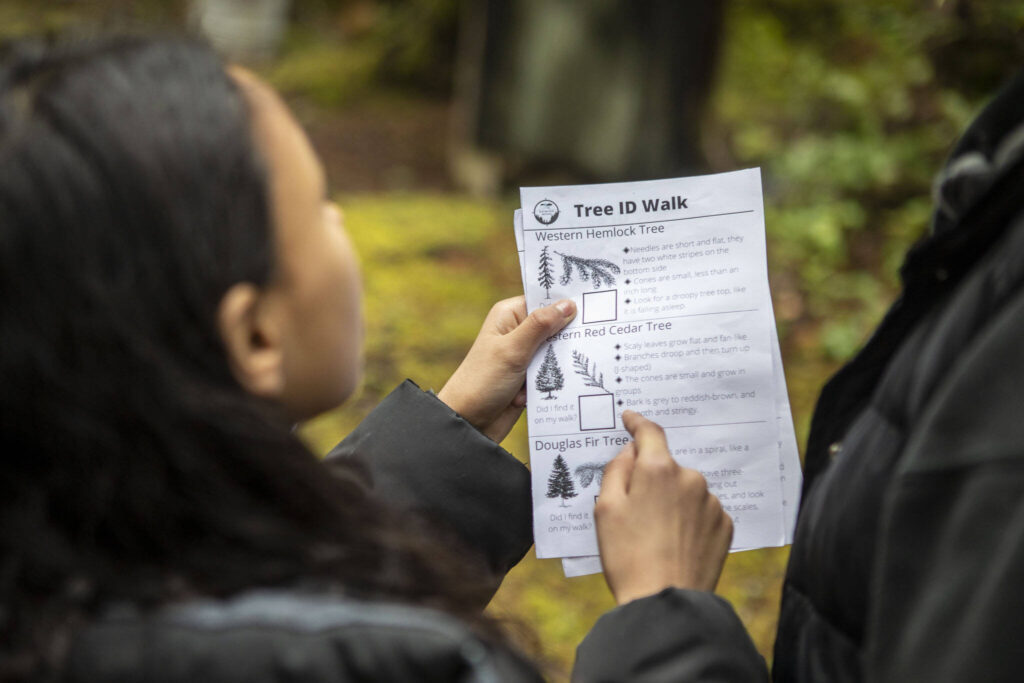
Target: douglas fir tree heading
<point x="597" y="270"/>
<point x="549" y="377"/>
<point x="560" y="482"/>
<point x="546" y="278"/>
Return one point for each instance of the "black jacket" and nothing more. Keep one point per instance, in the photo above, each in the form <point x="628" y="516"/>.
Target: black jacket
<point x="418" y="455"/>
<point x="422" y="458"/>
<point x="909" y="550"/>
<point x="908" y="557"/>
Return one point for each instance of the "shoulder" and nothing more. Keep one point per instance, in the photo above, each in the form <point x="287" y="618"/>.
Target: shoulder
<point x="287" y="636"/>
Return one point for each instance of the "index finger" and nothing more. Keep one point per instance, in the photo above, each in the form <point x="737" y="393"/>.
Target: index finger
<point x="617" y="472"/>
<point x="507" y="314"/>
<point x="649" y="436"/>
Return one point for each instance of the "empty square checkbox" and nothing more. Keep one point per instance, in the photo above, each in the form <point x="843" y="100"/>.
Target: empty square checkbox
<point x="600" y="307"/>
<point x="597" y="411"/>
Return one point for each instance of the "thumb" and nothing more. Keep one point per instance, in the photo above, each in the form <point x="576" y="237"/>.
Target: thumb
<point x="540" y="325"/>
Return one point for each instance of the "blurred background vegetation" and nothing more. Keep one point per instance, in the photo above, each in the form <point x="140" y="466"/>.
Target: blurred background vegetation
<point x="849" y="108"/>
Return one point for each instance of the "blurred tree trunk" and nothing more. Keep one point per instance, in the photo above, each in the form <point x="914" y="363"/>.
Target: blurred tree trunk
<point x="603" y="90"/>
<point x="242" y="30"/>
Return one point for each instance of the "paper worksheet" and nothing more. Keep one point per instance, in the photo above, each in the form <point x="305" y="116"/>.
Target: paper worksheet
<point x="675" y="322"/>
<point x="790" y="474"/>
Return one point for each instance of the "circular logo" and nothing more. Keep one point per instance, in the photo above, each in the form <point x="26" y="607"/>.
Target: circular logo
<point x="546" y="211"/>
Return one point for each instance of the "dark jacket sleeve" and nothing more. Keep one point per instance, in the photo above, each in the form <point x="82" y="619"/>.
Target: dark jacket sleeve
<point x="947" y="592"/>
<point x="676" y="635"/>
<point x="422" y="457"/>
<point x="269" y="636"/>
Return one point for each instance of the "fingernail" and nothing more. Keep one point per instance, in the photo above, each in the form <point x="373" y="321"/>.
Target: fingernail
<point x="566" y="307"/>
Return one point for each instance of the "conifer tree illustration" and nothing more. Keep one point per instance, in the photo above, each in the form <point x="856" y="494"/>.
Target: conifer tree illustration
<point x="560" y="482"/>
<point x="581" y="364"/>
<point x="549" y="377"/>
<point x="546" y="278"/>
<point x="597" y="270"/>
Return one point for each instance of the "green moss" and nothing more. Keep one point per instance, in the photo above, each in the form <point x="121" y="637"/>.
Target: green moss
<point x="327" y="73"/>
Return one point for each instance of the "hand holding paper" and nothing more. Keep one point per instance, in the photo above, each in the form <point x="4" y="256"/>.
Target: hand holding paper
<point x="658" y="526"/>
<point x="484" y="388"/>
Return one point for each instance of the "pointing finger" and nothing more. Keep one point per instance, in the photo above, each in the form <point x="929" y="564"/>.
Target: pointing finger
<point x="618" y="472"/>
<point x="650" y="438"/>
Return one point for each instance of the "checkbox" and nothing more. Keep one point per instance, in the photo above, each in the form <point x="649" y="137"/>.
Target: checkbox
<point x="601" y="307"/>
<point x="597" y="411"/>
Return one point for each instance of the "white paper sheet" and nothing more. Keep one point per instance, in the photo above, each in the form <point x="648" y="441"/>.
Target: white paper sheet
<point x="675" y="311"/>
<point x="671" y="284"/>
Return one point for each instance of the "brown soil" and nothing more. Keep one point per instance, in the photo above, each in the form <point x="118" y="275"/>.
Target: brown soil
<point x="382" y="145"/>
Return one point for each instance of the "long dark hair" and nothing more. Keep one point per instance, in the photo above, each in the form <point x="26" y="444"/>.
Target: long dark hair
<point x="132" y="465"/>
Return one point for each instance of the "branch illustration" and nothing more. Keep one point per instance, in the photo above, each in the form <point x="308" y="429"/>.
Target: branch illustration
<point x="597" y="270"/>
<point x="591" y="378"/>
<point x="588" y="471"/>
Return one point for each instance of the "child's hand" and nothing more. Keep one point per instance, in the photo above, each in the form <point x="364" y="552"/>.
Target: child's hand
<point x="658" y="526"/>
<point x="488" y="389"/>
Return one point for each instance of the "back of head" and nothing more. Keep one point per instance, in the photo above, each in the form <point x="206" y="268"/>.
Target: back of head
<point x="133" y="466"/>
<point x="130" y="199"/>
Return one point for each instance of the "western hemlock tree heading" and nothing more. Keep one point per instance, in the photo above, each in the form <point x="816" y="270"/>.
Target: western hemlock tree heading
<point x="560" y="482"/>
<point x="549" y="377"/>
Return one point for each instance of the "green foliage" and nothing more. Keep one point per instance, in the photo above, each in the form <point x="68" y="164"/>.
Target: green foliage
<point x="15" y="21"/>
<point x="338" y="51"/>
<point x="850" y="108"/>
<point x="96" y="17"/>
<point x="417" y="40"/>
<point x="329" y="73"/>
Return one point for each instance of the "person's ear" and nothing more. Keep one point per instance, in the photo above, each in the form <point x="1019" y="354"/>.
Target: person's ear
<point x="252" y="340"/>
